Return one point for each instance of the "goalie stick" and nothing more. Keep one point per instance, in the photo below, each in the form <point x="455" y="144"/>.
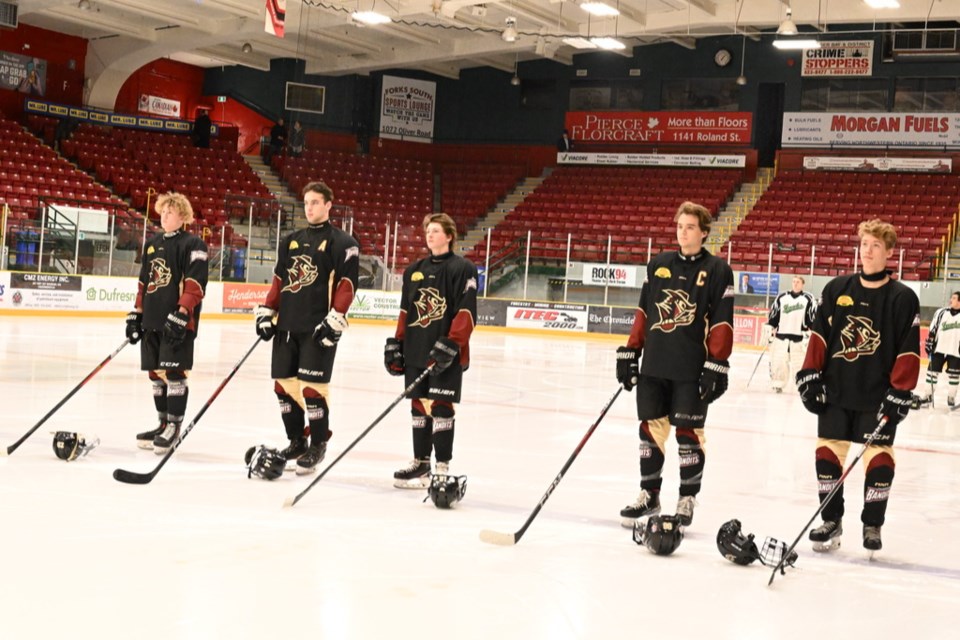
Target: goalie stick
<point x="132" y="477"/>
<point x="8" y="450"/>
<point x="823" y="503"/>
<point x="507" y="539"/>
<point x="289" y="502"/>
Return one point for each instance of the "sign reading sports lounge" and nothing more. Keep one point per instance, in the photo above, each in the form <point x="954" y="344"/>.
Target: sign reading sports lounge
<point x="660" y="127"/>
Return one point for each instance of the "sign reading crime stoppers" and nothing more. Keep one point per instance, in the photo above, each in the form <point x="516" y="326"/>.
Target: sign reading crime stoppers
<point x="544" y="315"/>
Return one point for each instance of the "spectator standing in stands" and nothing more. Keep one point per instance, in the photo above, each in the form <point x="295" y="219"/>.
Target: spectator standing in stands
<point x="201" y="130"/>
<point x="278" y="140"/>
<point x="298" y="139"/>
<point x="65" y="128"/>
<point x="565" y="143"/>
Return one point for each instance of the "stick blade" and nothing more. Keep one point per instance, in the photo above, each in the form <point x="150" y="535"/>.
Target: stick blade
<point x="289" y="502"/>
<point x="495" y="537"/>
<point x="130" y="477"/>
<point x="4" y="452"/>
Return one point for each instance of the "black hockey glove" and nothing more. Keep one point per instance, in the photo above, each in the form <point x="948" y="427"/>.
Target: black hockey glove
<point x="263" y="316"/>
<point x="812" y="392"/>
<point x="628" y="367"/>
<point x="328" y="332"/>
<point x="175" y="328"/>
<point x="895" y="406"/>
<point x="713" y="379"/>
<point x="393" y="357"/>
<point x="134" y="326"/>
<point x="443" y="353"/>
<point x="930" y="345"/>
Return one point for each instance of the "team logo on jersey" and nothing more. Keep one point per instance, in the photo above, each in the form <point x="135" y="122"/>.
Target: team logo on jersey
<point x="159" y="275"/>
<point x="302" y="273"/>
<point x="323" y="246"/>
<point x="675" y="310"/>
<point x="351" y="252"/>
<point x="844" y="301"/>
<point x="662" y="272"/>
<point x="471" y="284"/>
<point x="150" y="250"/>
<point x="430" y="307"/>
<point x="916" y="320"/>
<point x="857" y="338"/>
<point x="416" y="277"/>
<point x="293" y="245"/>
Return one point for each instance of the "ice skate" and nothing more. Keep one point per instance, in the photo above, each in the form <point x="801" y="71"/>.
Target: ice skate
<point x="871" y="539"/>
<point x="826" y="537"/>
<point x="296" y="448"/>
<point x="307" y="463"/>
<point x="166" y="439"/>
<point x="685" y="507"/>
<point x="145" y="439"/>
<point x="952" y="402"/>
<point x="647" y="504"/>
<point x="922" y="401"/>
<point x="416" y="475"/>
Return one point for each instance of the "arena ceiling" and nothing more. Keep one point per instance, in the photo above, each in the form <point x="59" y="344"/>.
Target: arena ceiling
<point x="439" y="36"/>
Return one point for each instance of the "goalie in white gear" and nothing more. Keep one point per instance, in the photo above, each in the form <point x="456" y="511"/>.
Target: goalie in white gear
<point x="790" y="318"/>
<point x="943" y="349"/>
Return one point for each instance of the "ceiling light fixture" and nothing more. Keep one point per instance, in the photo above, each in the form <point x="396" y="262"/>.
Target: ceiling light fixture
<point x="247" y="47"/>
<point x="610" y="44"/>
<point x="510" y="33"/>
<point x="742" y="79"/>
<point x="370" y="17"/>
<point x="579" y="43"/>
<point x="882" y="4"/>
<point x="788" y="27"/>
<point x="599" y="9"/>
<point x="793" y="45"/>
<point x="84" y="5"/>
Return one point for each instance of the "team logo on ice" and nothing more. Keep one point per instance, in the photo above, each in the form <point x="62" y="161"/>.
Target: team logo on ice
<point x="159" y="275"/>
<point x="675" y="310"/>
<point x="302" y="273"/>
<point x="430" y="306"/>
<point x="857" y="338"/>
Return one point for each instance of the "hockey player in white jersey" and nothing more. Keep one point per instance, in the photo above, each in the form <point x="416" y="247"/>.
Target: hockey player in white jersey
<point x="790" y="318"/>
<point x="943" y="349"/>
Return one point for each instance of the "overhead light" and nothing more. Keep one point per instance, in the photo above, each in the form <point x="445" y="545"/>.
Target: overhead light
<point x="882" y="4"/>
<point x="247" y="47"/>
<point x="599" y="9"/>
<point x="515" y="80"/>
<point x="579" y="43"/>
<point x="84" y="5"/>
<point x="741" y="80"/>
<point x="794" y="44"/>
<point x="510" y="33"/>
<point x="788" y="27"/>
<point x="370" y="17"/>
<point x="611" y="44"/>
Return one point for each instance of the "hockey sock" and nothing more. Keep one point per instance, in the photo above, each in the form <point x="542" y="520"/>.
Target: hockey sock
<point x="318" y="415"/>
<point x="443" y="423"/>
<point x="953" y="380"/>
<point x="290" y="412"/>
<point x="653" y="436"/>
<point x="932" y="377"/>
<point x="692" y="459"/>
<point x="159" y="395"/>
<point x="177" y="393"/>
<point x="877" y="481"/>
<point x="422" y="432"/>
<point x="830" y="456"/>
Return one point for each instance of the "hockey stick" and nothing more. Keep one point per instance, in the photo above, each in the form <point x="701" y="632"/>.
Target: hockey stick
<point x="8" y="450"/>
<point x="507" y="539"/>
<point x="132" y="477"/>
<point x="823" y="503"/>
<point x="289" y="502"/>
<point x="758" y="364"/>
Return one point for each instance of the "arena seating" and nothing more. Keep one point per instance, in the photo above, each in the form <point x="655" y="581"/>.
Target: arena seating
<point x="806" y="209"/>
<point x="468" y="191"/>
<point x="633" y="205"/>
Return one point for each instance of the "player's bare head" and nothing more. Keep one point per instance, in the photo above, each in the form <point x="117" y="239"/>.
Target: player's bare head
<point x="693" y="209"/>
<point x="446" y="223"/>
<point x="178" y="203"/>
<point x="955" y="300"/>
<point x="880" y="230"/>
<point x="318" y="187"/>
<point x="798" y="283"/>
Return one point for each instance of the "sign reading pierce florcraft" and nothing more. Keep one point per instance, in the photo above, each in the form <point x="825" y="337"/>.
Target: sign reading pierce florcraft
<point x="407" y="109"/>
<point x="660" y="127"/>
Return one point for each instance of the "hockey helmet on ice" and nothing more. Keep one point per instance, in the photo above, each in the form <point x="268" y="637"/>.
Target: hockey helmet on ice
<point x="660" y="534"/>
<point x="68" y="445"/>
<point x="445" y="491"/>
<point x="734" y="546"/>
<point x="264" y="462"/>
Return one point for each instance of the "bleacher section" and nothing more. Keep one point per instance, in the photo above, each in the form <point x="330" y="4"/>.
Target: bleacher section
<point x="468" y="191"/>
<point x="633" y="205"/>
<point x="805" y="209"/>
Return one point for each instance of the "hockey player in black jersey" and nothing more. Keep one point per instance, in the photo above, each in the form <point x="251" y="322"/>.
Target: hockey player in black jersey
<point x="438" y="310"/>
<point x="862" y="362"/>
<point x="173" y="278"/>
<point x="314" y="283"/>
<point x="790" y="318"/>
<point x="683" y="328"/>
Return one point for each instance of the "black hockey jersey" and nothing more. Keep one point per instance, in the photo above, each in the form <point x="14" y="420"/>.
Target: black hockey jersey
<point x="317" y="269"/>
<point x="791" y="314"/>
<point x="865" y="341"/>
<point x="173" y="274"/>
<point x="439" y="299"/>
<point x="685" y="315"/>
